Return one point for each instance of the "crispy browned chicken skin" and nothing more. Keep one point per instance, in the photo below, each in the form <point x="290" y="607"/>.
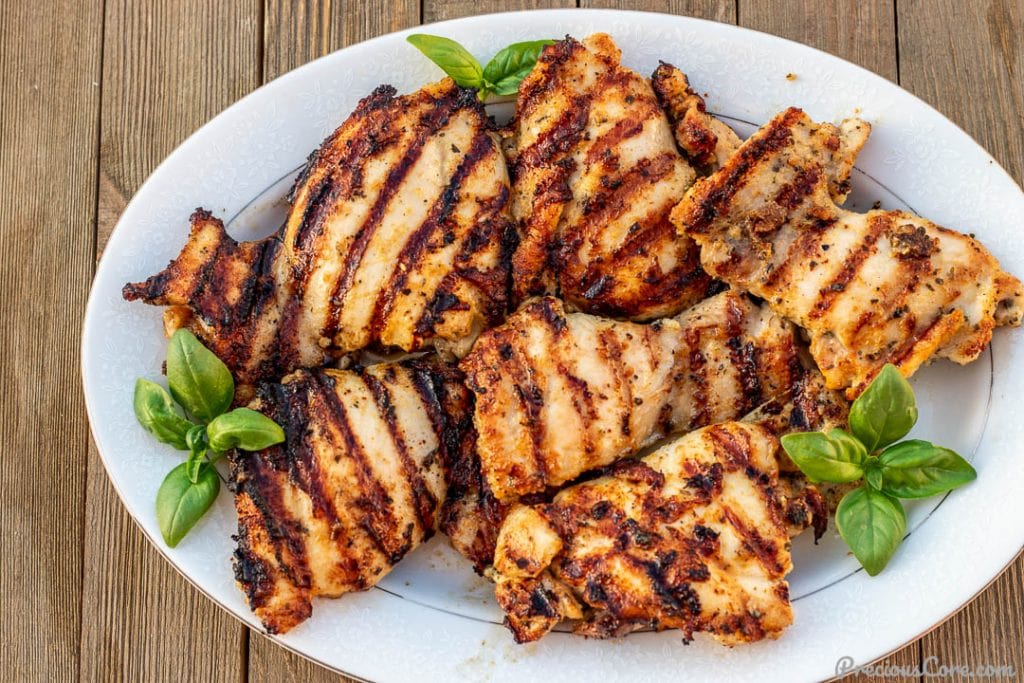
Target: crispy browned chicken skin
<point x="358" y="483"/>
<point x="560" y="393"/>
<point x="690" y="537"/>
<point x="595" y="173"/>
<point x="870" y="289"/>
<point x="398" y="236"/>
<point x="706" y="142"/>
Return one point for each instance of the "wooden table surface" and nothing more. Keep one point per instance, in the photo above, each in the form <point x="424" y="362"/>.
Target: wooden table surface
<point x="95" y="93"/>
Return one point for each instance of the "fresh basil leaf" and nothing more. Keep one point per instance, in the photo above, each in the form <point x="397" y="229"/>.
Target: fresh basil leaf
<point x="453" y="59"/>
<point x="196" y="458"/>
<point x="918" y="469"/>
<point x="512" y="64"/>
<point x="158" y="415"/>
<point x="243" y="428"/>
<point x="181" y="503"/>
<point x="198" y="380"/>
<point x="196" y="438"/>
<point x="885" y="412"/>
<point x="873" y="473"/>
<point x="872" y="524"/>
<point x="834" y="457"/>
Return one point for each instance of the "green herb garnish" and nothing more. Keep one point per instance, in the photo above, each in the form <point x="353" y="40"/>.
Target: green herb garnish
<point x="194" y="417"/>
<point x="501" y="76"/>
<point x="870" y="518"/>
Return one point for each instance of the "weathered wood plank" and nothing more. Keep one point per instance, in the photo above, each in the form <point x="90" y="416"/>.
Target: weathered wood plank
<point x="49" y="90"/>
<point x="168" y="67"/>
<point x="295" y="33"/>
<point x="863" y="32"/>
<point x="440" y="10"/>
<point x="716" y="10"/>
<point x="989" y="631"/>
<point x="967" y="60"/>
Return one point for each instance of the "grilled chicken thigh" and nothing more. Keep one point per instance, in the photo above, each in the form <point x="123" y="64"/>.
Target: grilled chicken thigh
<point x="595" y="173"/>
<point x="560" y="393"/>
<point x="873" y="288"/>
<point x="398" y="236"/>
<point x="690" y="537"/>
<point x="357" y="484"/>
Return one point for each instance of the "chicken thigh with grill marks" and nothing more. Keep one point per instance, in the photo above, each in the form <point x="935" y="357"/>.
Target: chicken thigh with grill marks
<point x="358" y="483"/>
<point x="595" y="172"/>
<point x="472" y="515"/>
<point x="690" y="537"/>
<point x="560" y="393"/>
<point x="869" y="288"/>
<point x="398" y="236"/>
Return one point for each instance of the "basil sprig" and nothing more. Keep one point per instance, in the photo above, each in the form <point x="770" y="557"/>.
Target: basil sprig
<point x="201" y="385"/>
<point x="870" y="518"/>
<point x="501" y="76"/>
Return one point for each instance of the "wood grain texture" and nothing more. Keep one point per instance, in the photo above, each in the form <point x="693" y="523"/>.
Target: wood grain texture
<point x="967" y="60"/>
<point x="860" y="31"/>
<point x="168" y="67"/>
<point x="716" y="10"/>
<point x="441" y="10"/>
<point x="49" y="108"/>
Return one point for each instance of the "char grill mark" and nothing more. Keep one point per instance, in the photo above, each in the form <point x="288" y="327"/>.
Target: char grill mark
<point x="867" y="248"/>
<point x="734" y="177"/>
<point x="626" y="551"/>
<point x="531" y="402"/>
<point x="699" y="376"/>
<point x="360" y="261"/>
<point x="555" y="141"/>
<point x="428" y="125"/>
<point x="426" y="502"/>
<point x="358" y="483"/>
<point x="870" y="289"/>
<point x="804" y="248"/>
<point x="439" y="220"/>
<point x="299" y="403"/>
<point x="372" y="500"/>
<point x="558" y="394"/>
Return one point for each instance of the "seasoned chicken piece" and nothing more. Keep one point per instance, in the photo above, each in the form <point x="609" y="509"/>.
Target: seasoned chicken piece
<point x="691" y="537"/>
<point x="558" y="394"/>
<point x="595" y="173"/>
<point x="357" y="484"/>
<point x="707" y="142"/>
<point x="398" y="236"/>
<point x="809" y="406"/>
<point x="870" y="289"/>
<point x="471" y="516"/>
